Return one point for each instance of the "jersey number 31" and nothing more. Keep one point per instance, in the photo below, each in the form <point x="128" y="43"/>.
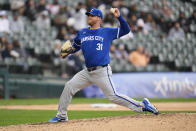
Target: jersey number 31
<point x="99" y="46"/>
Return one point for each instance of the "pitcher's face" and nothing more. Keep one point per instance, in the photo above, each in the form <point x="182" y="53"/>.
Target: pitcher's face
<point x="92" y="19"/>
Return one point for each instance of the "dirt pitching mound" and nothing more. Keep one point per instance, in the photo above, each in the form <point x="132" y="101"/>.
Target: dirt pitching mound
<point x="141" y="122"/>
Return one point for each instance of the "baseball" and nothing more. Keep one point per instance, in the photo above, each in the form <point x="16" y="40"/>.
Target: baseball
<point x="112" y="10"/>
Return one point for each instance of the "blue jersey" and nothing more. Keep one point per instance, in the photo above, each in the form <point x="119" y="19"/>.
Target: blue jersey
<point x="95" y="44"/>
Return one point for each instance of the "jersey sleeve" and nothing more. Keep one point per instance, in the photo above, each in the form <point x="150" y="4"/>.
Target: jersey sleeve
<point x="113" y="33"/>
<point x="124" y="27"/>
<point x="76" y="44"/>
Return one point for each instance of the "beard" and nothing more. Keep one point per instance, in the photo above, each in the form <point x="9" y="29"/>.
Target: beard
<point x="90" y="22"/>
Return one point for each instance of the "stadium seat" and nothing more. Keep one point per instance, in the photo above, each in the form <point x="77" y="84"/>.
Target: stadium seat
<point x="150" y="68"/>
<point x="140" y="69"/>
<point x="9" y="61"/>
<point x="178" y="62"/>
<point x="194" y="68"/>
<point x="37" y="50"/>
<point x="32" y="61"/>
<point x="161" y="68"/>
<point x="117" y="68"/>
<point x="3" y="2"/>
<point x="193" y="27"/>
<point x="129" y="68"/>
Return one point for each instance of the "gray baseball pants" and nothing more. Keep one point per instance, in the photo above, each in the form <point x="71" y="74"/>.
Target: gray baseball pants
<point x="102" y="77"/>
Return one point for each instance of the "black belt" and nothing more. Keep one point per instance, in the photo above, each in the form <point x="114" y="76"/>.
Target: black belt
<point x="96" y="67"/>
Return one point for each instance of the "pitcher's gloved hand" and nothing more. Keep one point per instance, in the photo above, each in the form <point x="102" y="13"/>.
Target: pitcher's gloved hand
<point x="66" y="49"/>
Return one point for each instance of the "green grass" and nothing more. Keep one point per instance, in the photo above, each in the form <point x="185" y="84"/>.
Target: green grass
<point x="178" y="111"/>
<point x="13" y="117"/>
<point x="173" y="100"/>
<point x="81" y="101"/>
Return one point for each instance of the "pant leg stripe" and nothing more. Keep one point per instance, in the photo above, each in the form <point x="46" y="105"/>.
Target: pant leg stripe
<point x="117" y="94"/>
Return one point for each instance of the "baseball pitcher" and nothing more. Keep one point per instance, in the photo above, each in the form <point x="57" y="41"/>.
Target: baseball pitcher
<point x="95" y="42"/>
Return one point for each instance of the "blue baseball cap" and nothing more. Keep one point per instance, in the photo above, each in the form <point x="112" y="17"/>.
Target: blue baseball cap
<point x="95" y="12"/>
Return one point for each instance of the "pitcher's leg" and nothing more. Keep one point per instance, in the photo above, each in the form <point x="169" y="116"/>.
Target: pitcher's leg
<point x="79" y="81"/>
<point x="108" y="88"/>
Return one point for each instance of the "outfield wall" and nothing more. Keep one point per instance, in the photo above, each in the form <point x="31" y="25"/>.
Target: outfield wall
<point x="151" y="85"/>
<point x="136" y="85"/>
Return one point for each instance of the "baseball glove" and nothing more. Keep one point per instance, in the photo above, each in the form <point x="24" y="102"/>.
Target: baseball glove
<point x="66" y="49"/>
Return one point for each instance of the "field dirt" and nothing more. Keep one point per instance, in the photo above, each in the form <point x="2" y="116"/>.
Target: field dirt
<point x="140" y="122"/>
<point x="148" y="122"/>
<point x="162" y="106"/>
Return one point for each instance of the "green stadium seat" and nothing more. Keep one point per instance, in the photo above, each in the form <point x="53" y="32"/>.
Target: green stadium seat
<point x="161" y="68"/>
<point x="9" y="61"/>
<point x="179" y="62"/>
<point x="47" y="50"/>
<point x="129" y="68"/>
<point x="140" y="69"/>
<point x="117" y="68"/>
<point x="171" y="57"/>
<point x="37" y="50"/>
<point x="3" y="2"/>
<point x="150" y="68"/>
<point x="188" y="62"/>
<point x="32" y="61"/>
<point x="194" y="68"/>
<point x="193" y="27"/>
